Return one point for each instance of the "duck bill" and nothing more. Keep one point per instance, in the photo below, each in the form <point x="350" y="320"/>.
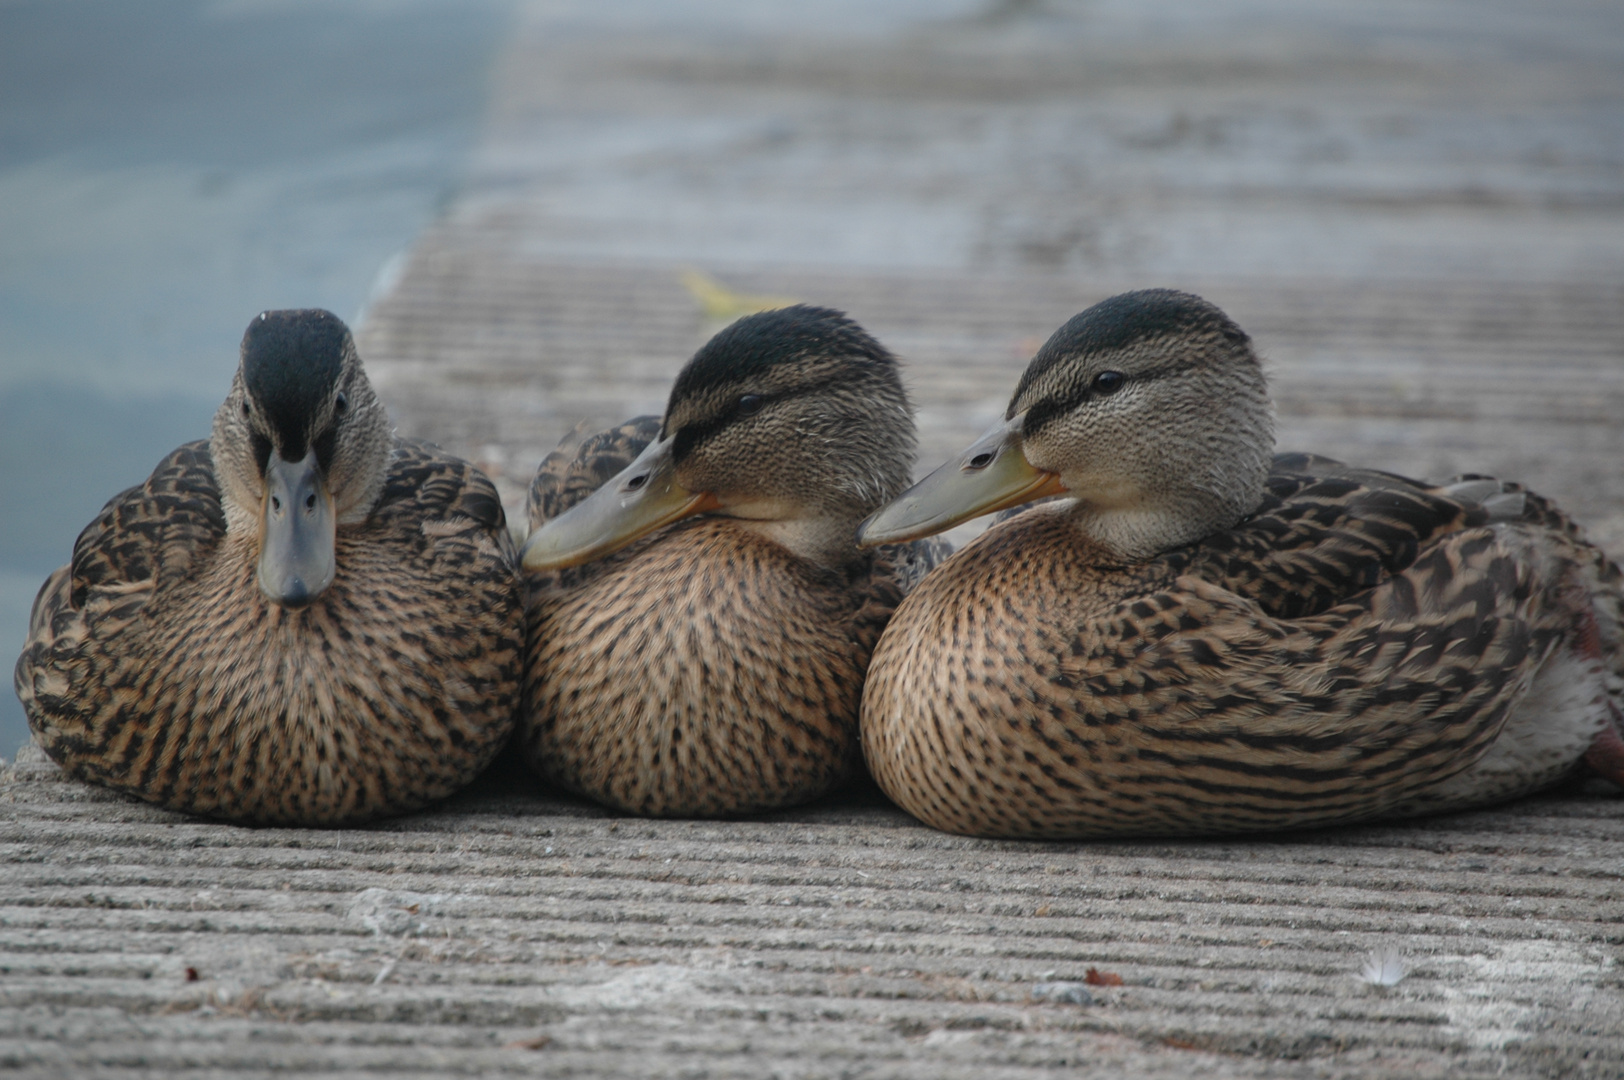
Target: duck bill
<point x="641" y="498"/>
<point x="298" y="532"/>
<point x="992" y="474"/>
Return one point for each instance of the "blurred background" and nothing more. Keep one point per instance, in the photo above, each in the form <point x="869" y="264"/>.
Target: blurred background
<point x="509" y="200"/>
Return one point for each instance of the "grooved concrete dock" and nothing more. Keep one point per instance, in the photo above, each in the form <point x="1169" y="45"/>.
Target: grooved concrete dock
<point x="1418" y="212"/>
<point x="842" y="939"/>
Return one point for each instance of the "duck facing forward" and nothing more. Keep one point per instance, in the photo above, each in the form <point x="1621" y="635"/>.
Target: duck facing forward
<point x="1196" y="638"/>
<point x="301" y="620"/>
<point x="710" y="661"/>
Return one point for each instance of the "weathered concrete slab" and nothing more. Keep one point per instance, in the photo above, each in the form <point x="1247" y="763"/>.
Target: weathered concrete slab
<point x="838" y="940"/>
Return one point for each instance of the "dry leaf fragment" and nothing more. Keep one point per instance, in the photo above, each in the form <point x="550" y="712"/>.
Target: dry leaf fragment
<point x="537" y="1043"/>
<point x="1096" y="977"/>
<point x="192" y="975"/>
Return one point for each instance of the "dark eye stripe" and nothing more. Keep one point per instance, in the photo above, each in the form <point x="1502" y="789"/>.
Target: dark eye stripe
<point x="262" y="450"/>
<point x="690" y="436"/>
<point x="325" y="444"/>
<point x="1044" y="413"/>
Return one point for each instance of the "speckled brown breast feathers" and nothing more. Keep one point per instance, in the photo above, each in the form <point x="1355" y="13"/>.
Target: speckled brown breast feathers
<point x="707" y="673"/>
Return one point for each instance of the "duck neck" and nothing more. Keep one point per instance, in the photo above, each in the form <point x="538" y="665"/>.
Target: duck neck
<point x="1148" y="527"/>
<point x="829" y="541"/>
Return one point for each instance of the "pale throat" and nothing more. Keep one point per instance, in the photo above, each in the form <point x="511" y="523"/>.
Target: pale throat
<point x="818" y="535"/>
<point x="1150" y="525"/>
<point x="241" y="520"/>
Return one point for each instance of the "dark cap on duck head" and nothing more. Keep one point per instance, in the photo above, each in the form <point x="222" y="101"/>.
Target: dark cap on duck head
<point x="767" y="339"/>
<point x="291" y="362"/>
<point x="1116" y="324"/>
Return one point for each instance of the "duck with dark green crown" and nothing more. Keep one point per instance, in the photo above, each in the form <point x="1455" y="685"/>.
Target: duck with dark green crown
<point x="302" y="620"/>
<point x="710" y="661"/>
<point x="1195" y="638"/>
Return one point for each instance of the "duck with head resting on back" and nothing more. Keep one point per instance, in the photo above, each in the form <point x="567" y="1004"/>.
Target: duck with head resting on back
<point x="709" y="657"/>
<point x="1194" y="638"/>
<point x="302" y="620"/>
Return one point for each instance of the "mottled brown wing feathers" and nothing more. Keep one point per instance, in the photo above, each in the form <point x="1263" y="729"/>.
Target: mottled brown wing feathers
<point x="580" y="465"/>
<point x="426" y="484"/>
<point x="1308" y="468"/>
<point x="892" y="573"/>
<point x="1395" y="632"/>
<point x="1537" y="509"/>
<point x="434" y="484"/>
<point x="1308" y="719"/>
<point x="153" y="531"/>
<point x="910" y="562"/>
<point x="1323" y="536"/>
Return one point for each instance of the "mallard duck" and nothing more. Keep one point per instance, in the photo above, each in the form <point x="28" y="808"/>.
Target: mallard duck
<point x="1196" y="638"/>
<point x="301" y="620"/>
<point x="710" y="660"/>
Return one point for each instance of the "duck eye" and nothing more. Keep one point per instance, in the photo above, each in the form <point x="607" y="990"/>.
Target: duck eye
<point x="341" y="403"/>
<point x="750" y="404"/>
<point x="1109" y="382"/>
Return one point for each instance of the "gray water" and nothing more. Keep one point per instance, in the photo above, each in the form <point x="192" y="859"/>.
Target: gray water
<point x="167" y="170"/>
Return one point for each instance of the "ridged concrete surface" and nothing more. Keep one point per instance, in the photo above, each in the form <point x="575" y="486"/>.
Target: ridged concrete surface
<point x="839" y="940"/>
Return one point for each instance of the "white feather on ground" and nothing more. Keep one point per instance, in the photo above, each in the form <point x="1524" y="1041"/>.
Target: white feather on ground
<point x="1383" y="967"/>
